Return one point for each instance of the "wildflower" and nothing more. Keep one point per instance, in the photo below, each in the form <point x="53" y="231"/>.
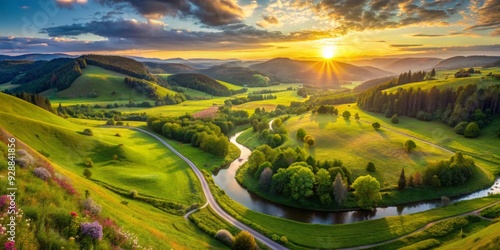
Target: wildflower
<point x="42" y="173"/>
<point x="73" y="214"/>
<point x="93" y="230"/>
<point x="10" y="245"/>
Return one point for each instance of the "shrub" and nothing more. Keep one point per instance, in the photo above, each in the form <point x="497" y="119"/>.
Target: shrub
<point x="283" y="240"/>
<point x="409" y="145"/>
<point x="472" y="130"/>
<point x="225" y="237"/>
<point x="376" y="125"/>
<point x="310" y="141"/>
<point x="42" y="173"/>
<point x="424" y="116"/>
<point x="275" y="237"/>
<point x="92" y="207"/>
<point x="346" y="114"/>
<point x="301" y="133"/>
<point x="120" y="123"/>
<point x="87" y="173"/>
<point x="24" y="159"/>
<point x="356" y="116"/>
<point x="445" y="201"/>
<point x="460" y="128"/>
<point x="92" y="230"/>
<point x="133" y="194"/>
<point x="89" y="163"/>
<point x="370" y="167"/>
<point x="88" y="132"/>
<point x="243" y="241"/>
<point x="110" y="122"/>
<point x="395" y="119"/>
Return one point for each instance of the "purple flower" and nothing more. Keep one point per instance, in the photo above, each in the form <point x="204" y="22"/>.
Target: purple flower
<point x="93" y="230"/>
<point x="42" y="173"/>
<point x="4" y="202"/>
<point x="9" y="245"/>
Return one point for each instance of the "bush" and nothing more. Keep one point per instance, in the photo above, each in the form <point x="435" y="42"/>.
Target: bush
<point x="87" y="173"/>
<point x="88" y="132"/>
<point x="92" y="230"/>
<point x="120" y="123"/>
<point x="472" y="130"/>
<point x="89" y="163"/>
<point x="376" y="125"/>
<point x="283" y="240"/>
<point x="110" y="122"/>
<point x="460" y="128"/>
<point x="92" y="207"/>
<point x="409" y="145"/>
<point x="346" y="114"/>
<point x="42" y="173"/>
<point x="370" y="167"/>
<point x="310" y="141"/>
<point x="225" y="237"/>
<point x="395" y="119"/>
<point x="243" y="241"/>
<point x="424" y="116"/>
<point x="133" y="194"/>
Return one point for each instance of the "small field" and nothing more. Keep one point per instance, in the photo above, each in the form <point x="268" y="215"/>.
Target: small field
<point x="356" y="143"/>
<point x="446" y="79"/>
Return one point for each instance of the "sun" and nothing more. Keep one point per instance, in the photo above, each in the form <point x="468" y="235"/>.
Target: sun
<point x="328" y="51"/>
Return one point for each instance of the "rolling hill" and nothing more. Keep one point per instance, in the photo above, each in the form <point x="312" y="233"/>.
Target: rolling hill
<point x="237" y="75"/>
<point x="199" y="82"/>
<point x="467" y="62"/>
<point x="413" y="64"/>
<point x="314" y="72"/>
<point x="11" y="68"/>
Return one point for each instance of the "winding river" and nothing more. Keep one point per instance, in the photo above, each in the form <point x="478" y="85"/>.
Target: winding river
<point x="225" y="179"/>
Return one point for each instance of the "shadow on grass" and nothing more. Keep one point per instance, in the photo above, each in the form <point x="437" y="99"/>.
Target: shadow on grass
<point x="382" y="133"/>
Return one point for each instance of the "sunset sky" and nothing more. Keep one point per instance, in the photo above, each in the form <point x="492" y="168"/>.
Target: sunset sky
<point x="249" y="29"/>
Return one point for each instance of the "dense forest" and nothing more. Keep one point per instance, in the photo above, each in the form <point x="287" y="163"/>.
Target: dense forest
<point x="452" y="106"/>
<point x="199" y="82"/>
<point x="10" y="69"/>
<point x="149" y="89"/>
<point x="40" y="71"/>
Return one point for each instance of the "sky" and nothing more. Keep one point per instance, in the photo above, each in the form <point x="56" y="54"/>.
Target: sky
<point x="252" y="29"/>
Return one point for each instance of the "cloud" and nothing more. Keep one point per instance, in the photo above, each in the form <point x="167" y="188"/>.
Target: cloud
<point x="427" y="35"/>
<point x="471" y="48"/>
<point x="211" y="13"/>
<point x="487" y="17"/>
<point x="405" y="45"/>
<point x="268" y="21"/>
<point x="25" y="7"/>
<point x="69" y="3"/>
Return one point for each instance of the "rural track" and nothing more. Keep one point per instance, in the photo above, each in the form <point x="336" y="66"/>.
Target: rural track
<point x="475" y="212"/>
<point x="210" y="198"/>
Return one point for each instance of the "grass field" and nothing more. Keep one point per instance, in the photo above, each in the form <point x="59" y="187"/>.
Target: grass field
<point x="487" y="238"/>
<point x="68" y="149"/>
<point x="446" y="79"/>
<point x="357" y="143"/>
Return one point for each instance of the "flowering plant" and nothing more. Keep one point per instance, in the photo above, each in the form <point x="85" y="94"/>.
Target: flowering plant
<point x="93" y="230"/>
<point x="9" y="245"/>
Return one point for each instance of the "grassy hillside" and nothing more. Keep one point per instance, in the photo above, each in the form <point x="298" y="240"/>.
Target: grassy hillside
<point x="146" y="171"/>
<point x="199" y="82"/>
<point x="446" y="79"/>
<point x="108" y="85"/>
<point x="356" y="143"/>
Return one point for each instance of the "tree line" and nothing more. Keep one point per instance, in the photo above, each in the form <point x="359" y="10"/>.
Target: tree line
<point x="250" y="98"/>
<point x="149" y="89"/>
<point x="199" y="82"/>
<point x="38" y="100"/>
<point x="452" y="106"/>
<point x="204" y="135"/>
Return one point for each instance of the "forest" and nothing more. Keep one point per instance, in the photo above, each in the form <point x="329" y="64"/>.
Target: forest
<point x="199" y="82"/>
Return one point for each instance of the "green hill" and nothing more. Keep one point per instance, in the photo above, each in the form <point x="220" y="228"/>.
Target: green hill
<point x="140" y="164"/>
<point x="199" y="82"/>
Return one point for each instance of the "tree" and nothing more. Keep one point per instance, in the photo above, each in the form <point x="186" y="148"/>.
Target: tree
<point x="339" y="189"/>
<point x="225" y="237"/>
<point x="346" y="114"/>
<point x="376" y="125"/>
<point x="356" y="116"/>
<point x="324" y="188"/>
<point x="255" y="159"/>
<point x="310" y="141"/>
<point x="367" y="190"/>
<point x="370" y="167"/>
<point x="433" y="73"/>
<point x="409" y="145"/>
<point x="89" y="163"/>
<point x="402" y="180"/>
<point x="301" y="133"/>
<point x="301" y="184"/>
<point x="87" y="173"/>
<point x="395" y="119"/>
<point x="244" y="241"/>
<point x="472" y="130"/>
<point x="115" y="157"/>
<point x="460" y="128"/>
<point x="435" y="182"/>
<point x="410" y="181"/>
<point x="265" y="178"/>
<point x="110" y="122"/>
<point x="417" y="179"/>
<point x="255" y="122"/>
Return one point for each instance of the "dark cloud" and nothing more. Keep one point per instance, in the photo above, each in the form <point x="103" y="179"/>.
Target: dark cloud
<point x="359" y="15"/>
<point x="488" y="17"/>
<point x="211" y="13"/>
<point x="405" y="45"/>
<point x="267" y="21"/>
<point x="427" y="35"/>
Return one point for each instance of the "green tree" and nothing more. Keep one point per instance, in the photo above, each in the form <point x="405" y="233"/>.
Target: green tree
<point x="460" y="128"/>
<point x="435" y="182"/>
<point x="346" y="114"/>
<point x="301" y="184"/>
<point x="244" y="241"/>
<point x="325" y="187"/>
<point x="402" y="180"/>
<point x="255" y="159"/>
<point x="370" y="167"/>
<point x="88" y="132"/>
<point x="110" y="122"/>
<point x="310" y="141"/>
<point x="395" y="119"/>
<point x="433" y="73"/>
<point x="367" y="190"/>
<point x="339" y="189"/>
<point x="409" y="145"/>
<point x="376" y="125"/>
<point x="301" y="133"/>
<point x="87" y="173"/>
<point x="255" y="122"/>
<point x="356" y="116"/>
<point x="472" y="130"/>
<point x="265" y="179"/>
<point x="89" y="163"/>
<point x="410" y="181"/>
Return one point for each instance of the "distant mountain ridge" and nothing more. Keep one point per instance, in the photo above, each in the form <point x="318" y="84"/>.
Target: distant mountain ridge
<point x="467" y="62"/>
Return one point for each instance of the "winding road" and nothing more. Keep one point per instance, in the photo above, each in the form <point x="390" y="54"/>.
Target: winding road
<point x="211" y="200"/>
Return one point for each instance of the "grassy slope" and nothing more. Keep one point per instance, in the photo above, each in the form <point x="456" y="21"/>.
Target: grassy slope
<point x="67" y="148"/>
<point x="356" y="143"/>
<point x="488" y="238"/>
<point x="446" y="79"/>
<point x="103" y="82"/>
